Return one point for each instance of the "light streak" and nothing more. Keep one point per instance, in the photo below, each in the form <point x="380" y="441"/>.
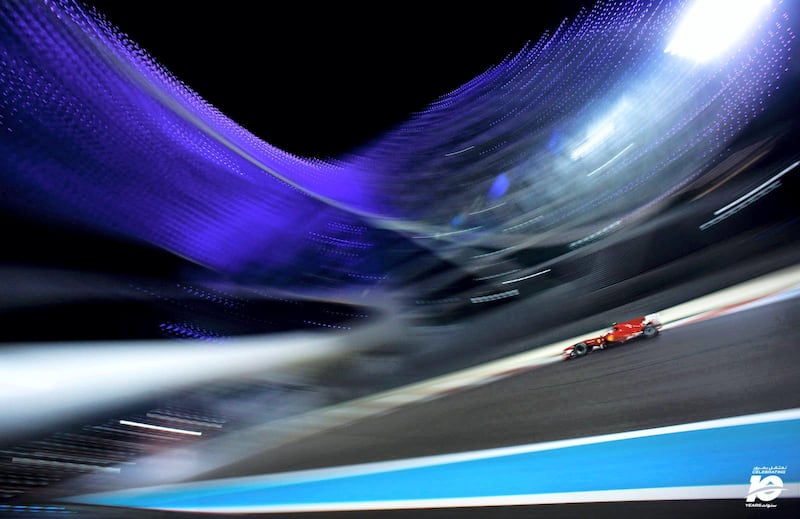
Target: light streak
<point x="160" y="428"/>
<point x="494" y="297"/>
<point x="484" y="278"/>
<point x="459" y="151"/>
<point x="612" y="159"/>
<point x="526" y="277"/>
<point x="756" y="190"/>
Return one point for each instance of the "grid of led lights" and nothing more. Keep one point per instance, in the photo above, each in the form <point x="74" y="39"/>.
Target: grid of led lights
<point x="576" y="133"/>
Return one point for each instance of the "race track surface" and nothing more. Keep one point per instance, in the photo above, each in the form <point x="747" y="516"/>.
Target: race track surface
<point x="743" y="363"/>
<point x="737" y="364"/>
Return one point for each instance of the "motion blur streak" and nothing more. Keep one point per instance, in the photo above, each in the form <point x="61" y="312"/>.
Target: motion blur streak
<point x="55" y="382"/>
<point x="651" y="462"/>
<point x="94" y="131"/>
<point x="47" y="383"/>
<point x="756" y="190"/>
<point x="160" y="428"/>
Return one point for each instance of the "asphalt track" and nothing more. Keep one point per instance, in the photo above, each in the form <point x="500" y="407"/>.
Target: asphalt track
<point x="737" y="364"/>
<point x="743" y="363"/>
<point x="731" y="365"/>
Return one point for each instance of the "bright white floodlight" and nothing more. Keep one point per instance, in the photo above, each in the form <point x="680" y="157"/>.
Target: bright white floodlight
<point x="710" y="27"/>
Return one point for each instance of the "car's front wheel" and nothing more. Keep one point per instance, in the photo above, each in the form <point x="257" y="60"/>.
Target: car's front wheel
<point x="650" y="331"/>
<point x="580" y="349"/>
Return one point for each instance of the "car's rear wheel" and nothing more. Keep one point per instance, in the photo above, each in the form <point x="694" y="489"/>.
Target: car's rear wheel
<point x="580" y="349"/>
<point x="650" y="331"/>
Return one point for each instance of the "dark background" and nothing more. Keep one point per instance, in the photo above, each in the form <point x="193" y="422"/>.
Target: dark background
<point x="318" y="80"/>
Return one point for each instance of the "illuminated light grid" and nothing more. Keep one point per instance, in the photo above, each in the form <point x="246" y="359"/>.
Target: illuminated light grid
<point x="96" y="131"/>
<point x="677" y="119"/>
<point x="186" y="330"/>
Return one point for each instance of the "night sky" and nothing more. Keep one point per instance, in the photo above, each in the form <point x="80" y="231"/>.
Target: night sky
<point x="318" y="81"/>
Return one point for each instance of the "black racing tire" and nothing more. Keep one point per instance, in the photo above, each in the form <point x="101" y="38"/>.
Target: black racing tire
<point x="580" y="349"/>
<point x="650" y="331"/>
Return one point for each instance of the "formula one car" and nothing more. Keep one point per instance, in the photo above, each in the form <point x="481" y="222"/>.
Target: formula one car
<point x="647" y="326"/>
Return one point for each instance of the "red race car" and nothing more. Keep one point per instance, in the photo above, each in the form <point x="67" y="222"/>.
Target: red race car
<point x="647" y="326"/>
